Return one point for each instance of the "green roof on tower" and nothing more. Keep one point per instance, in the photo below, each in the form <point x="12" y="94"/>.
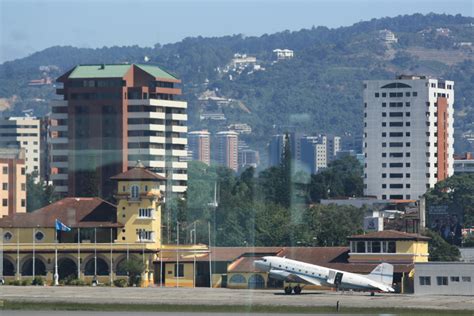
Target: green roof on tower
<point x="116" y="71"/>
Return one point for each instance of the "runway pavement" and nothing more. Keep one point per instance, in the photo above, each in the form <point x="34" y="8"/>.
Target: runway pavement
<point x="206" y="296"/>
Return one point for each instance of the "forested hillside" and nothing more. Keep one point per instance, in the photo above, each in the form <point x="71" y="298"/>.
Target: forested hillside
<point x="319" y="90"/>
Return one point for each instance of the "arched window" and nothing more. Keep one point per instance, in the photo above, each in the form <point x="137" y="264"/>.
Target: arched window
<point x="395" y="85"/>
<point x="237" y="278"/>
<point x="27" y="268"/>
<point x="134" y="191"/>
<point x="8" y="267"/>
<point x="256" y="281"/>
<point x="102" y="267"/>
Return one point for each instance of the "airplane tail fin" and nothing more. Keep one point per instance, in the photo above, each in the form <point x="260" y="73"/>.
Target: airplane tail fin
<point x="383" y="273"/>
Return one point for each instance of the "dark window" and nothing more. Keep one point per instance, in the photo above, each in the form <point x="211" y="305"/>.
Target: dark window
<point x="396" y="124"/>
<point x="425" y="280"/>
<point x="396" y="165"/>
<point x="5" y="170"/>
<point x="396" y="175"/>
<point x="384" y="175"/>
<point x="391" y="247"/>
<point x="4" y="202"/>
<point x="415" y="94"/>
<point x="396" y="114"/>
<point x="384" y="104"/>
<point x="396" y="197"/>
<point x="407" y="104"/>
<point x="407" y="134"/>
<point x="396" y="144"/>
<point x="407" y="175"/>
<point x="384" y="95"/>
<point x="377" y="94"/>
<point x="407" y="94"/>
<point x="396" y="134"/>
<point x="383" y="124"/>
<point x="396" y="186"/>
<point x="178" y="270"/>
<point x="384" y="197"/>
<point x="442" y="280"/>
<point x="396" y="155"/>
<point x="384" y="186"/>
<point x="396" y="85"/>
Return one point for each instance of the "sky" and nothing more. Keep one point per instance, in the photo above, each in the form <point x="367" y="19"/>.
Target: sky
<point x="27" y="26"/>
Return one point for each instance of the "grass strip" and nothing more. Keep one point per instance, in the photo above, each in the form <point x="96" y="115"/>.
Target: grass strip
<point x="274" y="309"/>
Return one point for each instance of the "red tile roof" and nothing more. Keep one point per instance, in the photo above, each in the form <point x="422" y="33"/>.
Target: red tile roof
<point x="73" y="212"/>
<point x="316" y="255"/>
<point x="389" y="234"/>
<point x="138" y="173"/>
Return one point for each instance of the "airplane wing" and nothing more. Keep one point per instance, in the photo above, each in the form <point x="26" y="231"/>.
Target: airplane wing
<point x="293" y="277"/>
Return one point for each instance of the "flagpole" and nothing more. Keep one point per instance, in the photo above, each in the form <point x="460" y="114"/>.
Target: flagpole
<point x="78" y="253"/>
<point x="177" y="254"/>
<point x="18" y="254"/>
<point x="210" y="258"/>
<point x="56" y="276"/>
<point x="95" y="254"/>
<point x="161" y="264"/>
<point x="111" y="257"/>
<point x="34" y="260"/>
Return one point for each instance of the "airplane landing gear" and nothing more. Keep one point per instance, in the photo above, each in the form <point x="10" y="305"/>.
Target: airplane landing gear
<point x="288" y="290"/>
<point x="372" y="293"/>
<point x="297" y="289"/>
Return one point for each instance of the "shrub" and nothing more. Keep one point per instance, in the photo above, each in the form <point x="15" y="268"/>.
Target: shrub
<point x="25" y="282"/>
<point x="37" y="281"/>
<point x="74" y="282"/>
<point x="133" y="268"/>
<point x="14" y="282"/>
<point x="120" y="283"/>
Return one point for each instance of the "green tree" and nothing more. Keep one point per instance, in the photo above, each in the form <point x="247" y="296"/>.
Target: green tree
<point x="440" y="250"/>
<point x="38" y="192"/>
<point x="457" y="192"/>
<point x="342" y="178"/>
<point x="134" y="269"/>
<point x="330" y="225"/>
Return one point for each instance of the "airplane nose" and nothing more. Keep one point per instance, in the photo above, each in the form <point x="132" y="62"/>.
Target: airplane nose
<point x="262" y="265"/>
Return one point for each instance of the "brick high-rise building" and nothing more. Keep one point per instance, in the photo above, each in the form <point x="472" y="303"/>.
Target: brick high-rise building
<point x="199" y="145"/>
<point x="227" y="149"/>
<point x="12" y="181"/>
<point x="408" y="136"/>
<point x="110" y="117"/>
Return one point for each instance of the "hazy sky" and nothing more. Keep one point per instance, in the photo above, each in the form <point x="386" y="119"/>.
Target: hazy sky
<point x="27" y="26"/>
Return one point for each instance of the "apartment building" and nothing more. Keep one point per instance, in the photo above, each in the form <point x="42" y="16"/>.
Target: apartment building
<point x="227" y="149"/>
<point x="199" y="144"/>
<point x="248" y="158"/>
<point x="23" y="132"/>
<point x="12" y="181"/>
<point x="111" y="116"/>
<point x="314" y="155"/>
<point x="333" y="147"/>
<point x="408" y="135"/>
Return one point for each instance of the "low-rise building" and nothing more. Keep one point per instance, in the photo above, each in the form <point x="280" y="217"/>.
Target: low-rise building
<point x="101" y="237"/>
<point x="444" y="278"/>
<point x="12" y="181"/>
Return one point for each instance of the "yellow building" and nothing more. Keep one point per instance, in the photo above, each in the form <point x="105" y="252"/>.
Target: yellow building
<point x="388" y="246"/>
<point x="102" y="238"/>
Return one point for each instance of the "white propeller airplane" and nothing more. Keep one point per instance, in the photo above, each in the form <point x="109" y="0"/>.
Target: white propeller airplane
<point x="301" y="273"/>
